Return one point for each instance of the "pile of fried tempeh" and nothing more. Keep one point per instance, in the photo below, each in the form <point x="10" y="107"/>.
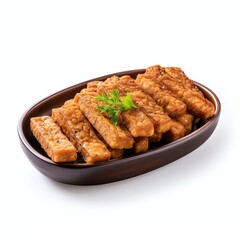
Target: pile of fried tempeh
<point x="168" y="103"/>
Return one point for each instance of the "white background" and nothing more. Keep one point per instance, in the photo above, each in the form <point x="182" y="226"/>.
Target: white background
<point x="46" y="46"/>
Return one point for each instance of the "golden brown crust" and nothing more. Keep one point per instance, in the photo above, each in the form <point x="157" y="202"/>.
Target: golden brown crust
<point x="115" y="153"/>
<point x="175" y="80"/>
<point x="171" y="105"/>
<point x="137" y="123"/>
<point x="52" y="140"/>
<point x="187" y="121"/>
<point x="141" y="144"/>
<point x="176" y="131"/>
<point x="168" y="104"/>
<point x="112" y="134"/>
<point x="146" y="104"/>
<point x="80" y="132"/>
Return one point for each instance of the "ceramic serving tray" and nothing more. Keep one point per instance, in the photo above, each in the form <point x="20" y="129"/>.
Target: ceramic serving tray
<point x="80" y="173"/>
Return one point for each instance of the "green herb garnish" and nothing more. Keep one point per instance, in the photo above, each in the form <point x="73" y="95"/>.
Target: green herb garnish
<point x="114" y="105"/>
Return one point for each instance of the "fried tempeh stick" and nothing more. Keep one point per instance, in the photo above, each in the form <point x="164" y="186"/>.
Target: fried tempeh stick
<point x="187" y="121"/>
<point x="177" y="131"/>
<point x="174" y="129"/>
<point x="177" y="73"/>
<point x="156" y="137"/>
<point x="137" y="123"/>
<point x="53" y="141"/>
<point x="141" y="144"/>
<point x="146" y="104"/>
<point x="157" y="71"/>
<point x="112" y="134"/>
<point x="80" y="132"/>
<point x="171" y="105"/>
<point x="177" y="82"/>
<point x="115" y="153"/>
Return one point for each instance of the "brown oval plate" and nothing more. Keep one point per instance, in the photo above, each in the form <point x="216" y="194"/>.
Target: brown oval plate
<point x="80" y="173"/>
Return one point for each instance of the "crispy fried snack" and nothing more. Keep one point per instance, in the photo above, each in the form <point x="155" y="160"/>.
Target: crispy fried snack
<point x="183" y="88"/>
<point x="168" y="103"/>
<point x="52" y="140"/>
<point x="187" y="121"/>
<point x="140" y="144"/>
<point x="80" y="132"/>
<point x="115" y="153"/>
<point x="137" y="123"/>
<point x="173" y="128"/>
<point x="177" y="131"/>
<point x="171" y="105"/>
<point x="114" y="135"/>
<point x="146" y="104"/>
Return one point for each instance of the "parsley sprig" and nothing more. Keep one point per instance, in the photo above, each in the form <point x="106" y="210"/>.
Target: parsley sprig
<point x="114" y="105"/>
